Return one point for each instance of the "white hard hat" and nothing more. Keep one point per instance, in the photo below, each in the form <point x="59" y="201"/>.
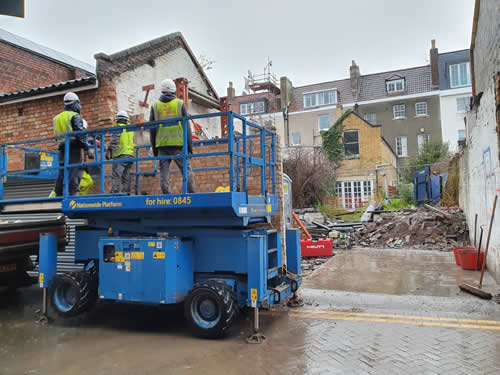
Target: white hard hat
<point x="122" y="114"/>
<point x="167" y="85"/>
<point x="71" y="97"/>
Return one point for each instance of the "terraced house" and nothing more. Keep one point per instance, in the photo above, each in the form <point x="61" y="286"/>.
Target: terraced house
<point x="404" y="102"/>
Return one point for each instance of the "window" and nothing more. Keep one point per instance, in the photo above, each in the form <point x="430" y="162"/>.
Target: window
<point x="371" y="118"/>
<point x="296" y="139"/>
<point x="351" y="143"/>
<point x="255" y="107"/>
<point x="324" y="122"/>
<point x="460" y="75"/>
<point x="399" y="111"/>
<point x="338" y="189"/>
<point x="401" y="146"/>
<point x="463" y="104"/>
<point x="422" y="140"/>
<point x="421" y="109"/>
<point x="395" y="85"/>
<point x="354" y="194"/>
<point x="320" y="98"/>
<point x="461" y="134"/>
<point x="244" y="109"/>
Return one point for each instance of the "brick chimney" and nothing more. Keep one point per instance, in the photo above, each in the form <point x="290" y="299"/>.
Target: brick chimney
<point x="354" y="70"/>
<point x="434" y="59"/>
<point x="231" y="92"/>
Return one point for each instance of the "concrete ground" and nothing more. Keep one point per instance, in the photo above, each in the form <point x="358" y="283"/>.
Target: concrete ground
<point x="365" y="312"/>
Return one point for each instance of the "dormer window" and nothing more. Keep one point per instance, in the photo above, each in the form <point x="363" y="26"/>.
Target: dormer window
<point x="460" y="75"/>
<point x="320" y="98"/>
<point x="252" y="108"/>
<point x="395" y="85"/>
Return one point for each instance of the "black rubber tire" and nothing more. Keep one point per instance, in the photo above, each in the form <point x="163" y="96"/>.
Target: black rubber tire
<point x="220" y="293"/>
<point x="84" y="287"/>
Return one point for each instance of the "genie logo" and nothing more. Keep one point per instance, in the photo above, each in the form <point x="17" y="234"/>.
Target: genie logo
<point x="72" y="205"/>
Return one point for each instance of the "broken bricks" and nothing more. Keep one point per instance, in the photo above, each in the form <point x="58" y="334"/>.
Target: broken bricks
<point x="416" y="228"/>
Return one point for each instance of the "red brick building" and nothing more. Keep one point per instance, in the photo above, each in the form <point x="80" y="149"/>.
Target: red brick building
<point x="34" y="79"/>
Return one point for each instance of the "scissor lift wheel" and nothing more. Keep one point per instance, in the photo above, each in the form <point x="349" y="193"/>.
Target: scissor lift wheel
<point x="210" y="308"/>
<point x="73" y="293"/>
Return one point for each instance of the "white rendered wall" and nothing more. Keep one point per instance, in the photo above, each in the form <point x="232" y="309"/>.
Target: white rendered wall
<point x="451" y="120"/>
<point x="479" y="170"/>
<point x="175" y="64"/>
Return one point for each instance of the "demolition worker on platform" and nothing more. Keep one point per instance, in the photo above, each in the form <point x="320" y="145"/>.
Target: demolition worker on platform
<point x="169" y="140"/>
<point x="121" y="147"/>
<point x="67" y="121"/>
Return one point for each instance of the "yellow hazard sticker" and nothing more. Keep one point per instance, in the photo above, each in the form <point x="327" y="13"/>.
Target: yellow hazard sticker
<point x="253" y="294"/>
<point x="158" y="255"/>
<point x="119" y="256"/>
<point x="44" y="157"/>
<point x="269" y="208"/>
<point x="137" y="255"/>
<point x="41" y="277"/>
<point x="151" y="244"/>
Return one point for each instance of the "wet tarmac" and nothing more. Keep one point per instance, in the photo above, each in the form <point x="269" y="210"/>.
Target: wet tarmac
<point x="366" y="312"/>
<point x="399" y="272"/>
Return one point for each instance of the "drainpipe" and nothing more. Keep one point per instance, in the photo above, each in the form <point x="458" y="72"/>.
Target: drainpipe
<point x="385" y="184"/>
<point x="377" y="168"/>
<point x="287" y="124"/>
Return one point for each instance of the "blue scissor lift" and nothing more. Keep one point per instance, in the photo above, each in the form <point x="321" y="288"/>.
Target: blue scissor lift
<point x="216" y="252"/>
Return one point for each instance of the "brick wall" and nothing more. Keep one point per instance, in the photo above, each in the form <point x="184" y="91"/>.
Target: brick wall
<point x="33" y="119"/>
<point x="21" y="70"/>
<point x="372" y="152"/>
<point x="207" y="181"/>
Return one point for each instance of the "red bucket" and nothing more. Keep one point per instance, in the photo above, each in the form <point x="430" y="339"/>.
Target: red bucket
<point x="468" y="258"/>
<point x="455" y="252"/>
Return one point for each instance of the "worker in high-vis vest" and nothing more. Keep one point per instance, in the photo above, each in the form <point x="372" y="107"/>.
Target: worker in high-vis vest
<point x="169" y="140"/>
<point x="121" y="148"/>
<point x="67" y="121"/>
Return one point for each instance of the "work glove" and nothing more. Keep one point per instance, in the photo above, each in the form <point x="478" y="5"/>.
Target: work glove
<point x="90" y="154"/>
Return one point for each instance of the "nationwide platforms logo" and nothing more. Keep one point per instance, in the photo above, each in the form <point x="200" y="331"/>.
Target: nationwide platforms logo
<point x="72" y="204"/>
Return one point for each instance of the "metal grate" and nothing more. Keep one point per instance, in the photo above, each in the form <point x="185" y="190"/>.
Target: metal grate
<point x="27" y="188"/>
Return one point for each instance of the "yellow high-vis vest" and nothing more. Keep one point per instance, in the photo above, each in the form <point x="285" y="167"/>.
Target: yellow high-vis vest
<point x="126" y="146"/>
<point x="62" y="124"/>
<point x="168" y="135"/>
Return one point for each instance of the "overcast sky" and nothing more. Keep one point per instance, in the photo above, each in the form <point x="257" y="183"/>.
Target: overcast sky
<point x="308" y="41"/>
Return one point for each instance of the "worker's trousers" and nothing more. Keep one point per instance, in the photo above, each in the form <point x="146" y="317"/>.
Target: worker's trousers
<point x="165" y="168"/>
<point x="75" y="157"/>
<point x="120" y="175"/>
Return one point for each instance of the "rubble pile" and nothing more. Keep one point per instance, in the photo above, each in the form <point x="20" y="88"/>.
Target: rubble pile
<point x="320" y="225"/>
<point x="415" y="228"/>
<point x="310" y="264"/>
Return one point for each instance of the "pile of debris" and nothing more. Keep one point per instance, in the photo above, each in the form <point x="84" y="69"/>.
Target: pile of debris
<point x="423" y="228"/>
<point x="310" y="264"/>
<point x="320" y="225"/>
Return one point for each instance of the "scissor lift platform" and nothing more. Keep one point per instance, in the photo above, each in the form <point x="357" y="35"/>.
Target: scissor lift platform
<point x="198" y="209"/>
<point x="200" y="248"/>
